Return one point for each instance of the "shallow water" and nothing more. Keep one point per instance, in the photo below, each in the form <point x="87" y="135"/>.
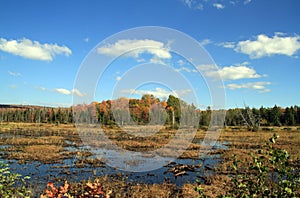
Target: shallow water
<point x="42" y="173"/>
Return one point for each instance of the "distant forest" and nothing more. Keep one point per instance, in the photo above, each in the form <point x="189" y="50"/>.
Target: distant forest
<point x="140" y="110"/>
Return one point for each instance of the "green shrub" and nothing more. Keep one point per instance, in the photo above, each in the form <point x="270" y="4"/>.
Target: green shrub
<point x="271" y="174"/>
<point x="12" y="184"/>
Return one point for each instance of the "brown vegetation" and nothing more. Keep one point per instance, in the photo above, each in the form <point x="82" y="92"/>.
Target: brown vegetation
<point x="46" y="142"/>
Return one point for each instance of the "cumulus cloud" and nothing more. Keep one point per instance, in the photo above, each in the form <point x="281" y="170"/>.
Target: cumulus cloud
<point x="260" y="86"/>
<point x="219" y="6"/>
<point x="134" y="48"/>
<point x="159" y="92"/>
<point x="118" y="78"/>
<point x="268" y="46"/>
<point x="229" y="72"/>
<point x="15" y="74"/>
<point x="33" y="49"/>
<point x="69" y="92"/>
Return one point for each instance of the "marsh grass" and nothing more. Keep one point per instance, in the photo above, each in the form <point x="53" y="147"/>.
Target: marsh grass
<point x="46" y="143"/>
<point x="45" y="154"/>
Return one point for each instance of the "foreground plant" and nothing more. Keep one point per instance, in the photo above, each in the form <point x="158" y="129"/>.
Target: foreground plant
<point x="270" y="174"/>
<point x="83" y="190"/>
<point x="12" y="184"/>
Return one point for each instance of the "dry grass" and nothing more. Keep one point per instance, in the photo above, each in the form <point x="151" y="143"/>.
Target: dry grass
<point x="241" y="143"/>
<point x="188" y="191"/>
<point x="45" y="154"/>
<point x="119" y="188"/>
<point x="245" y="140"/>
<point x="154" y="190"/>
<point x="216" y="185"/>
<point x="49" y="140"/>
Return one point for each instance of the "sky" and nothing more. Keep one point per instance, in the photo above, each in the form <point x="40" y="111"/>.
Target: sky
<point x="255" y="44"/>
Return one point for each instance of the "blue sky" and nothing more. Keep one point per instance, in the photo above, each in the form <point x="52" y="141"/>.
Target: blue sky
<point x="255" y="44"/>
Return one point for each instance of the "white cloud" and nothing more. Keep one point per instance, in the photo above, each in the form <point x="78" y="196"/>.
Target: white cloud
<point x="69" y="92"/>
<point x="54" y="104"/>
<point x="193" y="4"/>
<point x="188" y="3"/>
<point x="268" y="46"/>
<point x="157" y="60"/>
<point x="247" y="1"/>
<point x="219" y="6"/>
<point x="206" y="67"/>
<point x="14" y="74"/>
<point x="261" y="86"/>
<point x="86" y="39"/>
<point x="186" y="69"/>
<point x="232" y="2"/>
<point x="134" y="48"/>
<point x="159" y="92"/>
<point x="182" y="92"/>
<point x="229" y="72"/>
<point x="244" y="63"/>
<point x="77" y="92"/>
<point x="227" y="44"/>
<point x="118" y="78"/>
<point x="33" y="49"/>
<point x="63" y="91"/>
<point x="205" y="42"/>
<point x="41" y="88"/>
<point x="180" y="62"/>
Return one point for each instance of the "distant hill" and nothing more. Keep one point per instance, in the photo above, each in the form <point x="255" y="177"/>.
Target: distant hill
<point x="11" y="106"/>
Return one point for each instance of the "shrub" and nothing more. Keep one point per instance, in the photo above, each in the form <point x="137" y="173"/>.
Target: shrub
<point x="12" y="184"/>
<point x="271" y="174"/>
<point x="81" y="190"/>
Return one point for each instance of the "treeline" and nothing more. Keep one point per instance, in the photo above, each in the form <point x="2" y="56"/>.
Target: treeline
<point x="272" y="116"/>
<point x="36" y="114"/>
<point x="150" y="110"/>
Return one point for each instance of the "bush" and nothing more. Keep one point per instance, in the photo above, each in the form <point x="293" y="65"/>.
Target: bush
<point x="271" y="174"/>
<point x="80" y="190"/>
<point x="12" y="184"/>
